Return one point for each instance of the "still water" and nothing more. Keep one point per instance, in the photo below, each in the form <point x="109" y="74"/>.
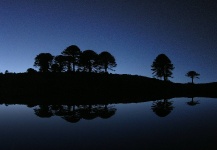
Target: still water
<point x="178" y="123"/>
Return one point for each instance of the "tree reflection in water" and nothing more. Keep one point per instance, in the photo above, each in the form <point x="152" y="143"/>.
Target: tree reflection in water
<point x="43" y="111"/>
<point x="193" y="102"/>
<point x="74" y="113"/>
<point x="88" y="112"/>
<point x="106" y="112"/>
<point x="162" y="108"/>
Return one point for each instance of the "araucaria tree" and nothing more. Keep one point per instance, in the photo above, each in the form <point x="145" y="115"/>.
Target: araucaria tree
<point x="44" y="62"/>
<point x="192" y="75"/>
<point x="73" y="52"/>
<point x="162" y="67"/>
<point x="88" y="60"/>
<point x="60" y="62"/>
<point x="106" y="61"/>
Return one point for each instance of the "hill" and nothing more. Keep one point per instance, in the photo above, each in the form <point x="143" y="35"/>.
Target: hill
<point x="93" y="88"/>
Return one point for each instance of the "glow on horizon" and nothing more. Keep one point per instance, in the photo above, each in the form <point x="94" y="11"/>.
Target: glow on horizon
<point x="135" y="32"/>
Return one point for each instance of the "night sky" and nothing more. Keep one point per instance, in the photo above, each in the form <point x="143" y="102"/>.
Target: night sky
<point x="134" y="31"/>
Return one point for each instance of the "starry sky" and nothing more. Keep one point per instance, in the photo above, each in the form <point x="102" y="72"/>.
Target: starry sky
<point x="133" y="31"/>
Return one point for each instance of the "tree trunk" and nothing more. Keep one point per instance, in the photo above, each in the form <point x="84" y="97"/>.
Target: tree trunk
<point x="165" y="78"/>
<point x="69" y="67"/>
<point x="106" y="69"/>
<point x="90" y="69"/>
<point x="73" y="67"/>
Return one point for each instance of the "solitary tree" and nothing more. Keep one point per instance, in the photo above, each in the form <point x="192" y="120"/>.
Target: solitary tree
<point x="88" y="60"/>
<point x="106" y="61"/>
<point x="73" y="53"/>
<point x="162" y="67"/>
<point x="43" y="61"/>
<point x="192" y="75"/>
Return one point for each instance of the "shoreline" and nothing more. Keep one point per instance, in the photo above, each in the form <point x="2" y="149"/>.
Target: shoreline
<point x="94" y="88"/>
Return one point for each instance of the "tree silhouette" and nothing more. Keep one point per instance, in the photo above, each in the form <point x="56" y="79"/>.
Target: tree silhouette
<point x="192" y="75"/>
<point x="106" y="61"/>
<point x="31" y="70"/>
<point x="73" y="52"/>
<point x="61" y="61"/>
<point x="6" y="71"/>
<point x="162" y="67"/>
<point x="55" y="68"/>
<point x="43" y="61"/>
<point x="162" y="108"/>
<point x="88" y="60"/>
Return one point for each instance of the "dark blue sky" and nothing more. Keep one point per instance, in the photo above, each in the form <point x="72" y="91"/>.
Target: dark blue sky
<point x="134" y="31"/>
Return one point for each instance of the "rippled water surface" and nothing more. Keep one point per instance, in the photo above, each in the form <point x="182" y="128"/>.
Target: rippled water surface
<point x="178" y="123"/>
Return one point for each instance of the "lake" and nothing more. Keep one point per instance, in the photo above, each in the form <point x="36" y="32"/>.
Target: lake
<point x="178" y="123"/>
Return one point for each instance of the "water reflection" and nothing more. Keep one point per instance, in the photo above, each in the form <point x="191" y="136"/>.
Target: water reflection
<point x="134" y="126"/>
<point x="74" y="113"/>
<point x="193" y="102"/>
<point x="43" y="111"/>
<point x="162" y="108"/>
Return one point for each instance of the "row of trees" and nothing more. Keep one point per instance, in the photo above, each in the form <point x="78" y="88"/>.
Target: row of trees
<point x="73" y="59"/>
<point x="162" y="67"/>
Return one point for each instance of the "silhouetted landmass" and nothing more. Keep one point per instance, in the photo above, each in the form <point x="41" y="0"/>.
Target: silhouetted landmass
<point x="90" y="88"/>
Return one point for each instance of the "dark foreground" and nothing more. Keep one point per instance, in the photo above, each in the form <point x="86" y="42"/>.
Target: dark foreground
<point x="89" y="88"/>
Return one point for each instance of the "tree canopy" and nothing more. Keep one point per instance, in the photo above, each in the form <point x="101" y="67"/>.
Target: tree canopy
<point x="192" y="75"/>
<point x="73" y="52"/>
<point x="106" y="61"/>
<point x="88" y="60"/>
<point x="31" y="70"/>
<point x="61" y="62"/>
<point x="43" y="61"/>
<point x="162" y="67"/>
